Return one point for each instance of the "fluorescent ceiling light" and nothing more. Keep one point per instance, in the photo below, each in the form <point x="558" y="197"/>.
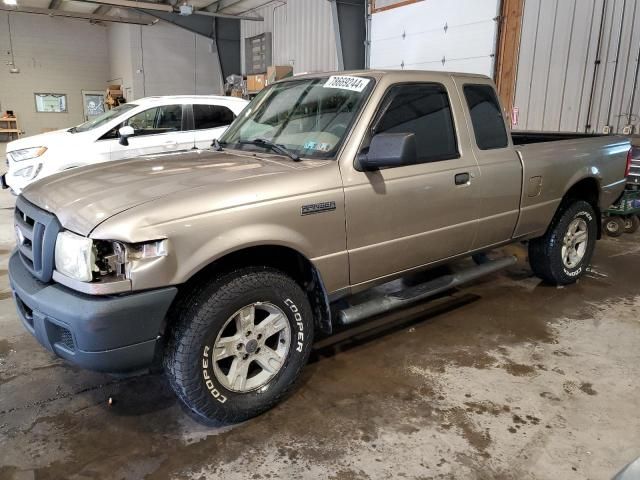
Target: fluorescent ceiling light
<point x="10" y="2"/>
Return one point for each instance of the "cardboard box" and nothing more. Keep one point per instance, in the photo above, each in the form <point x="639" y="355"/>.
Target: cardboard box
<point x="255" y="83"/>
<point x="278" y="72"/>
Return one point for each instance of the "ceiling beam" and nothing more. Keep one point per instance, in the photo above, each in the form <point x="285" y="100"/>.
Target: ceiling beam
<point x="221" y="5"/>
<point x="102" y="10"/>
<point x="55" y="4"/>
<point x="86" y="16"/>
<point x="160" y="7"/>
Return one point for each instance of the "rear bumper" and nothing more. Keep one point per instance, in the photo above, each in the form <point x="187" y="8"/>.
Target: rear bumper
<point x="103" y="333"/>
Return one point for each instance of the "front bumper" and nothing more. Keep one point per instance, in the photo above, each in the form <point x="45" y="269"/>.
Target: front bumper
<point x="103" y="333"/>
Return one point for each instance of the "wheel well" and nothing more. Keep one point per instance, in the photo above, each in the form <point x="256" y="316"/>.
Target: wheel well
<point x="588" y="190"/>
<point x="288" y="261"/>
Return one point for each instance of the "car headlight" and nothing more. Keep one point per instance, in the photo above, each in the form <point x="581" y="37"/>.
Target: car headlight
<point x="85" y="259"/>
<point x="27" y="153"/>
<point x="75" y="256"/>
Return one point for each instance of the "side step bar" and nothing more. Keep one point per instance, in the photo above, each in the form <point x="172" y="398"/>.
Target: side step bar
<point x="417" y="293"/>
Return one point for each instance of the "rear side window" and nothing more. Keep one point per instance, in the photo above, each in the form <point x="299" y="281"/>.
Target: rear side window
<point x="424" y="110"/>
<point x="211" y="116"/>
<point x="486" y="117"/>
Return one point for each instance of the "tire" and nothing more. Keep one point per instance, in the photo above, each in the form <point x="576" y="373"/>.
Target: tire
<point x="212" y="316"/>
<point x="614" y="226"/>
<point x="549" y="258"/>
<point x="631" y="224"/>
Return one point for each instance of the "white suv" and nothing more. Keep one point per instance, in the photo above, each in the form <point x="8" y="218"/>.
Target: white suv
<point x="146" y="126"/>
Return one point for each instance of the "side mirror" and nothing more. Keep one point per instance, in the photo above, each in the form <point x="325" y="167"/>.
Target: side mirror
<point x="125" y="132"/>
<point x="388" y="150"/>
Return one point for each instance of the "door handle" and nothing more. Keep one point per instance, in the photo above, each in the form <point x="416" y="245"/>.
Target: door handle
<point x="170" y="144"/>
<point x="462" y="178"/>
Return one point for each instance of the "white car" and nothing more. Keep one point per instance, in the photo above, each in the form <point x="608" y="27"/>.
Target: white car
<point x="146" y="126"/>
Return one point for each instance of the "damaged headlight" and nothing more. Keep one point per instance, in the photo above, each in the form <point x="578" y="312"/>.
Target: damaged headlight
<point x="86" y="260"/>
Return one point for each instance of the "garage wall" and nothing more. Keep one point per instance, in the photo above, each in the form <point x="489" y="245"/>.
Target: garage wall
<point x="457" y="35"/>
<point x="303" y="34"/>
<point x="557" y="68"/>
<point x="120" y="58"/>
<point x="50" y="60"/>
<point x="163" y="60"/>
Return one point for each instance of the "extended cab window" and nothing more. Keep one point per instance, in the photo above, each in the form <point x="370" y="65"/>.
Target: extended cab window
<point x="422" y="109"/>
<point x="211" y="116"/>
<point x="163" y="119"/>
<point x="486" y="117"/>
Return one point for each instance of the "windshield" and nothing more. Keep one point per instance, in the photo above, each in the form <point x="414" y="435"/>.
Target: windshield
<point x="104" y="118"/>
<point x="309" y="117"/>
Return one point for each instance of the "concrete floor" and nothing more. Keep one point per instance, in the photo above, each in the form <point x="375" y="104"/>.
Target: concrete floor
<point x="506" y="379"/>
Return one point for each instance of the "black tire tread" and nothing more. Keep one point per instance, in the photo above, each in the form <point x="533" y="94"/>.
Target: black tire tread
<point x="184" y="377"/>
<point x="540" y="249"/>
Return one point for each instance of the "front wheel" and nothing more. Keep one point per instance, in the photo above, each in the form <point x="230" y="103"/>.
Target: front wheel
<point x="562" y="255"/>
<point x="239" y="345"/>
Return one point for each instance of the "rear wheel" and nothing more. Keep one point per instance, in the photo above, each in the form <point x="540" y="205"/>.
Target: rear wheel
<point x="631" y="224"/>
<point x="562" y="255"/>
<point x="240" y="344"/>
<point x="614" y="226"/>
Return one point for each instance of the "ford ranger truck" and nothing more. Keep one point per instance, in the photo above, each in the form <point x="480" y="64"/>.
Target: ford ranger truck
<point x="224" y="262"/>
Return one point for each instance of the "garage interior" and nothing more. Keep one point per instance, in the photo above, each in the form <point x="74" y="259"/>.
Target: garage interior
<point x="507" y="377"/>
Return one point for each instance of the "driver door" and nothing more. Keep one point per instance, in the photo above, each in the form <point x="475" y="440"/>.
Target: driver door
<point x="158" y="129"/>
<point x="401" y="218"/>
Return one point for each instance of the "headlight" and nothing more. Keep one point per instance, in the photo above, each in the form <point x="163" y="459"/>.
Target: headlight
<point x="85" y="259"/>
<point x="27" y="153"/>
<point x="75" y="256"/>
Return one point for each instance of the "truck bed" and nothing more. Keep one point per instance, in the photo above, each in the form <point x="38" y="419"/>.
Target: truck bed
<point x="527" y="137"/>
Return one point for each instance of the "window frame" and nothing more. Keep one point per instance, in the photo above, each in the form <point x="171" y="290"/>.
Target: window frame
<point x="473" y="127"/>
<point x="385" y="103"/>
<point x="192" y="125"/>
<point x="183" y="122"/>
<point x="66" y="101"/>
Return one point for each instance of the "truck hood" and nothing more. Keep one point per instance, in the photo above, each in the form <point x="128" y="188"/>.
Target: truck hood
<point x="85" y="197"/>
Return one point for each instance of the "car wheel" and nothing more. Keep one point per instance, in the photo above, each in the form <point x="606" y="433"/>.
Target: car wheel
<point x="239" y="344"/>
<point x="562" y="255"/>
<point x="631" y="224"/>
<point x="614" y="226"/>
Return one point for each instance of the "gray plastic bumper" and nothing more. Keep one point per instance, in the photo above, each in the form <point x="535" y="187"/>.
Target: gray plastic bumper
<point x="104" y="333"/>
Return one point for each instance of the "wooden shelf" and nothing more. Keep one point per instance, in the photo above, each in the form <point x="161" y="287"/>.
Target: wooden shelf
<point x="12" y="127"/>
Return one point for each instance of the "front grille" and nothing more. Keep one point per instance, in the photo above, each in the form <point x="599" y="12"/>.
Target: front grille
<point x="37" y="231"/>
<point x="65" y="338"/>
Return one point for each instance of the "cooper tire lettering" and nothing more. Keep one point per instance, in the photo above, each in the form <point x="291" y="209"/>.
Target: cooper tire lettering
<point x="298" y="319"/>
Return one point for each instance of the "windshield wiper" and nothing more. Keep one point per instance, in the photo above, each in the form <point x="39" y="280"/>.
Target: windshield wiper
<point x="73" y="130"/>
<point x="281" y="149"/>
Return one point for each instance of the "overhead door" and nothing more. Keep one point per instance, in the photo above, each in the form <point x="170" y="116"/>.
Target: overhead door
<point x="457" y="35"/>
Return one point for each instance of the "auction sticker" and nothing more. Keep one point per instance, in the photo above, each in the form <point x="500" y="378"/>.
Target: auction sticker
<point x="346" y="82"/>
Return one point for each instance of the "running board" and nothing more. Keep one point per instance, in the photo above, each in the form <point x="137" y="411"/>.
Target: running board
<point x="417" y="293"/>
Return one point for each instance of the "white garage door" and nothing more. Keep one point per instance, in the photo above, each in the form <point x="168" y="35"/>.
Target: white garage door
<point x="456" y="35"/>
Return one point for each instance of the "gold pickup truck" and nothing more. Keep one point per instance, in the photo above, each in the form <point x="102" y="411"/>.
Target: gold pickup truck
<point x="223" y="263"/>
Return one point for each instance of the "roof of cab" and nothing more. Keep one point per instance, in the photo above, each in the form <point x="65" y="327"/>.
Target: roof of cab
<point x="379" y="73"/>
